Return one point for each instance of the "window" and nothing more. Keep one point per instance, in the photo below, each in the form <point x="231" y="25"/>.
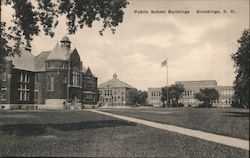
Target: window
<point x="65" y="66"/>
<point x="89" y="96"/>
<point x="75" y="78"/>
<point x="21" y="77"/>
<point x="89" y="80"/>
<point x="4" y="76"/>
<point x="23" y="94"/>
<point x="25" y="77"/>
<point x="50" y="83"/>
<point x="65" y="80"/>
<point x="36" y="78"/>
<point x="36" y="95"/>
<point x="48" y="65"/>
<point x="23" y="87"/>
<point x="3" y="94"/>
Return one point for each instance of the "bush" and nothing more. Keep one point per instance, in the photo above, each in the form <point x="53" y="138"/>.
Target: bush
<point x="181" y="105"/>
<point x="237" y="105"/>
<point x="203" y="105"/>
<point x="148" y="105"/>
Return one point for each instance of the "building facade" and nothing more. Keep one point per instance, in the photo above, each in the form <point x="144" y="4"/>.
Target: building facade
<point x="53" y="79"/>
<point x="192" y="87"/>
<point x="114" y="92"/>
<point x="154" y="97"/>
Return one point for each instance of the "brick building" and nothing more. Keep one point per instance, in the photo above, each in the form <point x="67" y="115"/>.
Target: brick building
<point x="191" y="87"/>
<point x="115" y="92"/>
<point x="53" y="79"/>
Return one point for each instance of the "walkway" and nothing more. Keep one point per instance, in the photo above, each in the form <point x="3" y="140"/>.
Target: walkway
<point x="230" y="141"/>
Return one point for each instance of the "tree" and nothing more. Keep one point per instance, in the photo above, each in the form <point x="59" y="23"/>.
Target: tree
<point x="207" y="95"/>
<point x="241" y="63"/>
<point x="30" y="17"/>
<point x="137" y="97"/>
<point x="174" y="91"/>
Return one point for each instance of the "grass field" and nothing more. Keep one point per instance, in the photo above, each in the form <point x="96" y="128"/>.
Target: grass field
<point x="83" y="133"/>
<point x="228" y="121"/>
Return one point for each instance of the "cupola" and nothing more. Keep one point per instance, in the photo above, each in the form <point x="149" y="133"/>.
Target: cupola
<point x="65" y="42"/>
<point x="114" y="76"/>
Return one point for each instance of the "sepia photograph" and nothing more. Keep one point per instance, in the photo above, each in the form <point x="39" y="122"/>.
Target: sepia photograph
<point x="124" y="78"/>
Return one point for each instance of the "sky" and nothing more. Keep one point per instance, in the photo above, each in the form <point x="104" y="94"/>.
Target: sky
<point x="198" y="46"/>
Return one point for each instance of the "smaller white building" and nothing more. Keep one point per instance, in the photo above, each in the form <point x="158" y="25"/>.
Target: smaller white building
<point x="115" y="92"/>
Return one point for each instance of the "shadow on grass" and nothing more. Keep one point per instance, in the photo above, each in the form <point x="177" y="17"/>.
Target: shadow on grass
<point x="39" y="129"/>
<point x="237" y="114"/>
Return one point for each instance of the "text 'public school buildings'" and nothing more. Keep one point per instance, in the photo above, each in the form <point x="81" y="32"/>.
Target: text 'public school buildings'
<point x="53" y="79"/>
<point x="115" y="92"/>
<point x="192" y="87"/>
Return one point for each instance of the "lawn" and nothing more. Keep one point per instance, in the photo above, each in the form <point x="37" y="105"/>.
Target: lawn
<point x="228" y="121"/>
<point x="83" y="133"/>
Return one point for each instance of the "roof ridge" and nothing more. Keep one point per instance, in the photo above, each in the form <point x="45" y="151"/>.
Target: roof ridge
<point x="118" y="84"/>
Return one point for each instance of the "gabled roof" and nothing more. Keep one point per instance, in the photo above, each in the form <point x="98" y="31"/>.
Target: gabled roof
<point x="39" y="61"/>
<point x="88" y="71"/>
<point x="25" y="61"/>
<point x="58" y="53"/>
<point x="115" y="83"/>
<point x="84" y="69"/>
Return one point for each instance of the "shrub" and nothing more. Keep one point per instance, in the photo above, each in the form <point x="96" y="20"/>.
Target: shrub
<point x="181" y="105"/>
<point x="204" y="105"/>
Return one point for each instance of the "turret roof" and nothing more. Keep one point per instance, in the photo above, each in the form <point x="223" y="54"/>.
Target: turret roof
<point x="58" y="53"/>
<point x="65" y="39"/>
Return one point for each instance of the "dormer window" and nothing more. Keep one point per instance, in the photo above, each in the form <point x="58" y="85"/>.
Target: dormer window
<point x="48" y="65"/>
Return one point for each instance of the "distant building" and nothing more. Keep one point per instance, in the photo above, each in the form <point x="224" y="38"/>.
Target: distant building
<point x="52" y="79"/>
<point x="115" y="92"/>
<point x="154" y="97"/>
<point x="192" y="87"/>
<point x="226" y="96"/>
